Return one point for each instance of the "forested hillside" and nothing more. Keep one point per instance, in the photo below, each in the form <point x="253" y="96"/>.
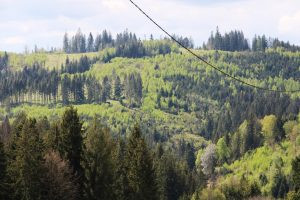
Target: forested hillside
<point x="123" y="118"/>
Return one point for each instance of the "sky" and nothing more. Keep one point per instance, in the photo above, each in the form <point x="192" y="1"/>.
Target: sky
<point x="44" y="22"/>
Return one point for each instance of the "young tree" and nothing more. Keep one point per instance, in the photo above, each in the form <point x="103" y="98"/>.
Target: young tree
<point x="223" y="151"/>
<point x="270" y="129"/>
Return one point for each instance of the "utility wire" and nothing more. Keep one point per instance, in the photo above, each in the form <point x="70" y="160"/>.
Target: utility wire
<point x="206" y="62"/>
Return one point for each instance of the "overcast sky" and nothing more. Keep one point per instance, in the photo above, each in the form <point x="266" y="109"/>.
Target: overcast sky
<point x="44" y="22"/>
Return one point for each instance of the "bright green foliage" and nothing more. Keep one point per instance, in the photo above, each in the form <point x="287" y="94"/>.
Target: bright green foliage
<point x="239" y="188"/>
<point x="270" y="129"/>
<point x="98" y="163"/>
<point x="223" y="151"/>
<point x="212" y="194"/>
<point x="141" y="174"/>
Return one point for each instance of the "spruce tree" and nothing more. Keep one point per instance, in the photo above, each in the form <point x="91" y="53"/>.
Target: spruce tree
<point x="121" y="187"/>
<point x="90" y="43"/>
<point x="98" y="163"/>
<point x="66" y="44"/>
<point x="141" y="174"/>
<point x="26" y="170"/>
<point x="70" y="142"/>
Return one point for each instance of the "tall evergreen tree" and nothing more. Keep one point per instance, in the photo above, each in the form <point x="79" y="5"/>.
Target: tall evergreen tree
<point x="70" y="142"/>
<point x="26" y="169"/>
<point x="141" y="174"/>
<point x="121" y="185"/>
<point x="90" y="43"/>
<point x="66" y="43"/>
<point x="98" y="163"/>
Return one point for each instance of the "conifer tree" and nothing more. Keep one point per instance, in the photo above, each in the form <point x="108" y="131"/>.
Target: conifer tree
<point x="70" y="142"/>
<point x="66" y="43"/>
<point x="141" y="174"/>
<point x="26" y="169"/>
<point x="121" y="187"/>
<point x="90" y="43"/>
<point x="98" y="163"/>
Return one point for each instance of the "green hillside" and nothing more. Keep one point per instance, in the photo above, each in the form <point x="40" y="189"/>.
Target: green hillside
<point x="198" y="134"/>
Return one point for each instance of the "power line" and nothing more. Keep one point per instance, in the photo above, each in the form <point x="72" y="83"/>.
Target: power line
<point x="206" y="62"/>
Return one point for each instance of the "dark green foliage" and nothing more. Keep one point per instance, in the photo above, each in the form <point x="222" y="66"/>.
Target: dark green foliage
<point x="232" y="41"/>
<point x="117" y="89"/>
<point x="259" y="43"/>
<point x="25" y="170"/>
<point x="121" y="185"/>
<point x="280" y="186"/>
<point x="90" y="43"/>
<point x="73" y="67"/>
<point x="98" y="163"/>
<point x="296" y="174"/>
<point x="141" y="174"/>
<point x="133" y="89"/>
<point x="5" y="131"/>
<point x="66" y="44"/>
<point x="4" y="62"/>
<point x="3" y="170"/>
<point x="70" y="141"/>
<point x="172" y="178"/>
<point x="275" y="43"/>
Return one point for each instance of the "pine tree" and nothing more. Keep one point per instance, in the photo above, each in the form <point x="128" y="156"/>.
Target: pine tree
<point x="98" y="163"/>
<point x="141" y="174"/>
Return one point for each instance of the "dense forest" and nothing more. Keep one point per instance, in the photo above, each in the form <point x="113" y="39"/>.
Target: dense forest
<point x="124" y="118"/>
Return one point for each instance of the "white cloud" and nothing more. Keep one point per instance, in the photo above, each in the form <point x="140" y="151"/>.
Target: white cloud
<point x="114" y="5"/>
<point x="290" y="23"/>
<point x="15" y="40"/>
